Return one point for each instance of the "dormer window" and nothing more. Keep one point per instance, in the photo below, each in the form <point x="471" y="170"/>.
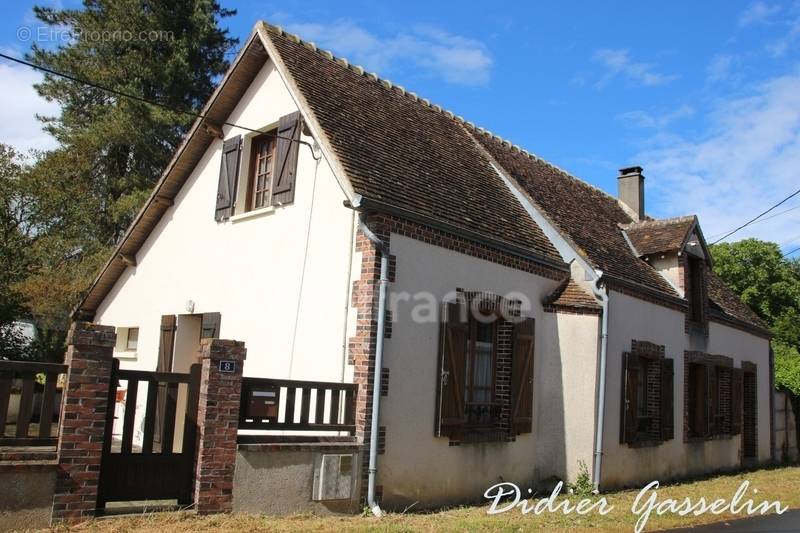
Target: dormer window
<point x="696" y="290"/>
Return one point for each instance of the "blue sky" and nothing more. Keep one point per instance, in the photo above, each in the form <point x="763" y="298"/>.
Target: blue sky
<point x="704" y="95"/>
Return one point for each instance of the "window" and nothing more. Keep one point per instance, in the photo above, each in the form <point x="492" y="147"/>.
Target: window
<point x="127" y="342"/>
<point x="698" y="397"/>
<point x="696" y="294"/>
<point x="133" y="339"/>
<point x="480" y="376"/>
<point x="262" y="156"/>
<point x="485" y="371"/>
<point x="713" y="390"/>
<point x="647" y="396"/>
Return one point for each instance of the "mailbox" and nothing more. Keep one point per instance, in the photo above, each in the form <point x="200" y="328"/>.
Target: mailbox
<point x="263" y="403"/>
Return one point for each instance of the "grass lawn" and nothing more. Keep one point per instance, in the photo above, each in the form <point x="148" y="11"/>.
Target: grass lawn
<point x="773" y="484"/>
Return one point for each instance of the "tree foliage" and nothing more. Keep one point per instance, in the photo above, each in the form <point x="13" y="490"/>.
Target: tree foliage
<point x="81" y="196"/>
<point x="770" y="284"/>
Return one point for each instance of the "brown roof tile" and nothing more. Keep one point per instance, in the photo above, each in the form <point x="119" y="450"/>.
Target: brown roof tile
<point x="658" y="236"/>
<point x="571" y="294"/>
<point x="588" y="216"/>
<point x="400" y="152"/>
<point x="727" y="301"/>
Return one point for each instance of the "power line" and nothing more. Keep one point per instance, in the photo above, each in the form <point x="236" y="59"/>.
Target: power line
<point x="146" y="101"/>
<point x="759" y="216"/>
<point x="787" y="254"/>
<point x="761" y="220"/>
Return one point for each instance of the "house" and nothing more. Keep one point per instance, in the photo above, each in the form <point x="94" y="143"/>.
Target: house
<point x="520" y="322"/>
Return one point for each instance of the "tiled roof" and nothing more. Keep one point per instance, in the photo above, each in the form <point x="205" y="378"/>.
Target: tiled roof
<point x="400" y="152"/>
<point x="727" y="301"/>
<point x="588" y="216"/>
<point x="571" y="294"/>
<point x="659" y="236"/>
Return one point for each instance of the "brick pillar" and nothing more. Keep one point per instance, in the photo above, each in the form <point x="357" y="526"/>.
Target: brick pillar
<point x="218" y="422"/>
<point x="82" y="424"/>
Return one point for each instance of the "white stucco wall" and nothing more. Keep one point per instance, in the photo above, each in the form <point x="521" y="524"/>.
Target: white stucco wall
<point x="418" y="467"/>
<point x="631" y="318"/>
<point x="280" y="279"/>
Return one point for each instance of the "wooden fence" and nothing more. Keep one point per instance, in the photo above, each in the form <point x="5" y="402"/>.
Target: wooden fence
<point x="283" y="404"/>
<point x="30" y="403"/>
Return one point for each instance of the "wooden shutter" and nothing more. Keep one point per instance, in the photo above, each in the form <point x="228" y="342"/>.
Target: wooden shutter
<point x="713" y="408"/>
<point x="286" y="150"/>
<point x="450" y="414"/>
<point x="210" y="327"/>
<point x="630" y="386"/>
<point x="737" y="398"/>
<point x="166" y="344"/>
<point x="523" y="340"/>
<point x="667" y="399"/>
<point x="228" y="178"/>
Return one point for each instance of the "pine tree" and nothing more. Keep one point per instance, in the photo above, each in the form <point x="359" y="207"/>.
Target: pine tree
<point x="112" y="149"/>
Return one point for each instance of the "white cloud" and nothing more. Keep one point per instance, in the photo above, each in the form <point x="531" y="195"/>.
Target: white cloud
<point x="617" y="62"/>
<point x="719" y="69"/>
<point x="748" y="160"/>
<point x="18" y="124"/>
<point x="643" y="119"/>
<point x="782" y="44"/>
<point x="758" y="13"/>
<point x="457" y="59"/>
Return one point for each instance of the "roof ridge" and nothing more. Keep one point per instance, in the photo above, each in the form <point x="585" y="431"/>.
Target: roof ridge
<point x="388" y="84"/>
<point x="659" y="222"/>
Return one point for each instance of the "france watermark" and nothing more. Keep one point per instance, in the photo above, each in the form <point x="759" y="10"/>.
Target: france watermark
<point x="508" y="496"/>
<point x="55" y="34"/>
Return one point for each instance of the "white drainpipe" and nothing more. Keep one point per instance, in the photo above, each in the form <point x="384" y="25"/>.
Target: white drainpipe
<point x="601" y="293"/>
<point x="376" y="388"/>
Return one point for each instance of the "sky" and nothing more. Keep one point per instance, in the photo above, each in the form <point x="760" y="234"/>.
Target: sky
<point x="705" y="96"/>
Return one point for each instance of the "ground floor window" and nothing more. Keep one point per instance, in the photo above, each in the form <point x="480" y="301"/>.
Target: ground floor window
<point x="647" y="395"/>
<point x="485" y="371"/>
<point x="713" y="396"/>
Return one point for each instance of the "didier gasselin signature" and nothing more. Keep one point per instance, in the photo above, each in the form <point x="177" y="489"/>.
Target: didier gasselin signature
<point x="507" y="496"/>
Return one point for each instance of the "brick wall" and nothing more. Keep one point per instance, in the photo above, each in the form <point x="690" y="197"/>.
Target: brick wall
<point x="364" y="298"/>
<point x="217" y="425"/>
<point x="83" y="420"/>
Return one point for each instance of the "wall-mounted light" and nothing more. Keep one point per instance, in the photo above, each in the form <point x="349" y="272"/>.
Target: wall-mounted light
<point x="189" y="306"/>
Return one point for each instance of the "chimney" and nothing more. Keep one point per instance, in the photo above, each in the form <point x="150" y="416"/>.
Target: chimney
<point x="630" y="183"/>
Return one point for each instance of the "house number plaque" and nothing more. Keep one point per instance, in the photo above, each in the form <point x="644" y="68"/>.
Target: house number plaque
<point x="227" y="366"/>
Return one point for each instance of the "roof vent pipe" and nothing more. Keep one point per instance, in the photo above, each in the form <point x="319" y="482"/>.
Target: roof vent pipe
<point x="630" y="184"/>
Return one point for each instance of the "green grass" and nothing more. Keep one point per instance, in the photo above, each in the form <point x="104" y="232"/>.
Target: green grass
<point x="773" y="484"/>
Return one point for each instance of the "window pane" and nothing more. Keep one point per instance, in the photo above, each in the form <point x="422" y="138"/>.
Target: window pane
<point x="133" y="338"/>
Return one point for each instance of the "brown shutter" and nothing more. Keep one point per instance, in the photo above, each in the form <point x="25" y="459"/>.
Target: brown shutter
<point x="667" y="399"/>
<point x="210" y="327"/>
<point x="713" y="408"/>
<point x="450" y="416"/>
<point x="166" y="344"/>
<point x="630" y="386"/>
<point x="708" y="414"/>
<point x="523" y="340"/>
<point x="286" y="150"/>
<point x="228" y="178"/>
<point x="736" y="400"/>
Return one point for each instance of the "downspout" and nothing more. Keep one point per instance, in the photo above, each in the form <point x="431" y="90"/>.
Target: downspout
<point x="376" y="387"/>
<point x="602" y="294"/>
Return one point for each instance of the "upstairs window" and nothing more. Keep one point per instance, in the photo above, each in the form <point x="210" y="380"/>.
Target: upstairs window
<point x="262" y="159"/>
<point x="696" y="293"/>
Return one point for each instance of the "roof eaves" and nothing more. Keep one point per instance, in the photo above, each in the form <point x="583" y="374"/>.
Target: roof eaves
<point x="497" y="244"/>
<point x="153" y="200"/>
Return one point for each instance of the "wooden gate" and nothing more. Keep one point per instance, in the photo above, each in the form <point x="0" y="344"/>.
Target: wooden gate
<point x="152" y="467"/>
